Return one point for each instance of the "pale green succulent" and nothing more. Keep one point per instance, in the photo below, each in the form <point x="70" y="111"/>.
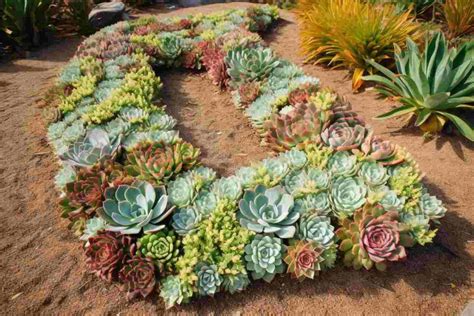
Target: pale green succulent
<point x="202" y="177"/>
<point x="268" y="211"/>
<point x="235" y="283"/>
<point x="418" y="227"/>
<point x="185" y="220"/>
<point x="373" y="173"/>
<point x="117" y="127"/>
<point x="173" y="291"/>
<point x="347" y="194"/>
<point x="313" y="227"/>
<point x="391" y="201"/>
<point x="329" y="257"/>
<point x="432" y="207"/>
<point x="264" y="257"/>
<point x="130" y="209"/>
<point x="170" y="47"/>
<point x="182" y="191"/>
<point x="55" y="130"/>
<point x="93" y="226"/>
<point x="342" y="163"/>
<point x="247" y="176"/>
<point x="94" y="148"/>
<point x="313" y="203"/>
<point x="227" y="188"/>
<point x="208" y="280"/>
<point x="65" y="175"/>
<point x="134" y="115"/>
<point x="73" y="132"/>
<point x="296" y="159"/>
<point x="165" y="137"/>
<point x="260" y="111"/>
<point x="306" y="181"/>
<point x="249" y="64"/>
<point x="205" y="203"/>
<point x="160" y="121"/>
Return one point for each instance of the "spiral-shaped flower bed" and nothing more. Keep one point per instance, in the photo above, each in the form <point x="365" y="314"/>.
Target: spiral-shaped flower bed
<point x="154" y="219"/>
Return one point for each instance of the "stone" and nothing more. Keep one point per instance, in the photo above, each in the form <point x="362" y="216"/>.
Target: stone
<point x="106" y="13"/>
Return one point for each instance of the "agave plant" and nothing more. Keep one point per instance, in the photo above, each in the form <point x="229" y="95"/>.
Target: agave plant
<point x="250" y="64"/>
<point x="432" y="86"/>
<point x="95" y="147"/>
<point x="129" y="209"/>
<point x="268" y="211"/>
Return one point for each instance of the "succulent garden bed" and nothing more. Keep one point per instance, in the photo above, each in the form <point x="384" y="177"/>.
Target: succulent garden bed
<point x="153" y="219"/>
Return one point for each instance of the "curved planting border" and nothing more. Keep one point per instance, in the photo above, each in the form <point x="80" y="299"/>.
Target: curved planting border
<point x="152" y="218"/>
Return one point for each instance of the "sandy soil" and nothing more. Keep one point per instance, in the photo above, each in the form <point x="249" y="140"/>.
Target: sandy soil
<point x="41" y="263"/>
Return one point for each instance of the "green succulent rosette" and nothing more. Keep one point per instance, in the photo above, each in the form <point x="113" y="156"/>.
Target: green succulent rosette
<point x="208" y="280"/>
<point x="347" y="194"/>
<point x="313" y="227"/>
<point x="264" y="257"/>
<point x="162" y="247"/>
<point x="313" y="203"/>
<point x="342" y="163"/>
<point x="373" y="173"/>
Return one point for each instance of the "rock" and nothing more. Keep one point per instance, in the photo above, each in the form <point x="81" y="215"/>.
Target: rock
<point x="106" y="13"/>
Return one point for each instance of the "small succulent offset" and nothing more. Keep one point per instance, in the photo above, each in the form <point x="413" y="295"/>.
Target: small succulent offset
<point x="185" y="220"/>
<point x="306" y="181"/>
<point x="373" y="173"/>
<point x="268" y="211"/>
<point x="138" y="277"/>
<point x="95" y="147"/>
<point x="249" y="64"/>
<point x="432" y="207"/>
<point x="93" y="227"/>
<point x="264" y="257"/>
<point x="173" y="291"/>
<point x="129" y="209"/>
<point x="162" y="247"/>
<point x="182" y="191"/>
<point x="313" y="203"/>
<point x="303" y="259"/>
<point x="342" y="163"/>
<point x="347" y="194"/>
<point x="227" y="188"/>
<point x="344" y="134"/>
<point x="208" y="280"/>
<point x="318" y="229"/>
<point x="235" y="283"/>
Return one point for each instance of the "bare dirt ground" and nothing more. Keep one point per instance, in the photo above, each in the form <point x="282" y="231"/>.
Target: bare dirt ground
<point x="41" y="264"/>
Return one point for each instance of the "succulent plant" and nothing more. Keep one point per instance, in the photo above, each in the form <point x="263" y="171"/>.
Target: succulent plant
<point x="213" y="60"/>
<point x="157" y="162"/>
<point x="235" y="283"/>
<point x="173" y="291"/>
<point x="106" y="252"/>
<point x="249" y="64"/>
<point x="373" y="173"/>
<point x="129" y="209"/>
<point x="227" y="188"/>
<point x="303" y="259"/>
<point x="313" y="227"/>
<point x="390" y="201"/>
<point x="432" y="207"/>
<point x="94" y="225"/>
<point x="374" y="237"/>
<point x="301" y="125"/>
<point x="205" y="203"/>
<point x="208" y="280"/>
<point x="296" y="159"/>
<point x="313" y="203"/>
<point x="347" y="194"/>
<point x="306" y="181"/>
<point x="324" y="99"/>
<point x="170" y="48"/>
<point x="264" y="257"/>
<point x="268" y="211"/>
<point x="185" y="220"/>
<point x="344" y="134"/>
<point x="162" y="247"/>
<point x="341" y="163"/>
<point x="182" y="191"/>
<point x="381" y="150"/>
<point x="247" y="93"/>
<point x="138" y="277"/>
<point x="94" y="148"/>
<point x="65" y="175"/>
<point x="418" y="227"/>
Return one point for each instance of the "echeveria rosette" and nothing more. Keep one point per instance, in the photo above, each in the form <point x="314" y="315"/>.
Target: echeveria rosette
<point x="432" y="207"/>
<point x="296" y="159"/>
<point x="106" y="252"/>
<point x="342" y="163"/>
<point x="383" y="151"/>
<point x="208" y="280"/>
<point x="130" y="209"/>
<point x="227" y="188"/>
<point x="182" y="191"/>
<point x="205" y="203"/>
<point x="162" y="247"/>
<point x="185" y="220"/>
<point x="313" y="203"/>
<point x="268" y="211"/>
<point x="174" y="291"/>
<point x="373" y="238"/>
<point x="94" y="148"/>
<point x="138" y="277"/>
<point x="94" y="225"/>
<point x="347" y="194"/>
<point x="306" y="181"/>
<point x="303" y="259"/>
<point x="313" y="227"/>
<point x="373" y="174"/>
<point x="390" y="201"/>
<point x="264" y="257"/>
<point x="235" y="283"/>
<point x="418" y="227"/>
<point x="344" y="135"/>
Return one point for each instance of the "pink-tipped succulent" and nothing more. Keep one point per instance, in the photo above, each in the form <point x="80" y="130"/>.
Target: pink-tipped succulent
<point x="303" y="259"/>
<point x="248" y="92"/>
<point x="138" y="277"/>
<point x="345" y="133"/>
<point x="301" y="125"/>
<point x="213" y="60"/>
<point x="107" y="252"/>
<point x="381" y="150"/>
<point x="302" y="94"/>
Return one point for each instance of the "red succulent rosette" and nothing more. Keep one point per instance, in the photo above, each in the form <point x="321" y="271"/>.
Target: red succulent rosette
<point x="138" y="277"/>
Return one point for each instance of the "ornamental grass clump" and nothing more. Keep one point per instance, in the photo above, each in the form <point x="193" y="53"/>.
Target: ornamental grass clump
<point x="347" y="34"/>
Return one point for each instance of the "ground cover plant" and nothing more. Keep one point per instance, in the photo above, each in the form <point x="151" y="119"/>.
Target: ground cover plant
<point x="154" y="219"/>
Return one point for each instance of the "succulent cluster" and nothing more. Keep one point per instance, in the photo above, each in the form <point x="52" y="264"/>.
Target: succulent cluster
<point x="152" y="218"/>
